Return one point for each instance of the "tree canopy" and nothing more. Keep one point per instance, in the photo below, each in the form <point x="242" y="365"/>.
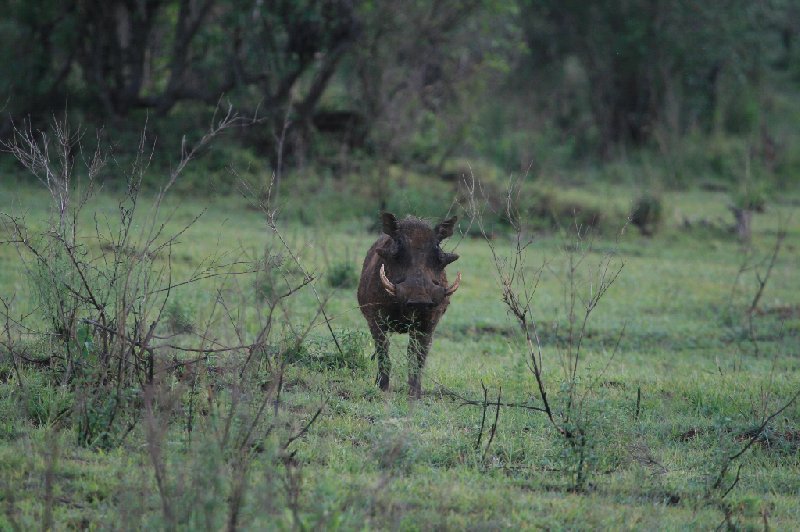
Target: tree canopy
<point x="410" y="82"/>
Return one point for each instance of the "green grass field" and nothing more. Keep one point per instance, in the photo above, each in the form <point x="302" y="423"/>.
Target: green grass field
<point x="703" y="376"/>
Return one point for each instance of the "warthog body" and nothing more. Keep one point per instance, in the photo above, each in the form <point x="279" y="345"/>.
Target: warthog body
<point x="404" y="289"/>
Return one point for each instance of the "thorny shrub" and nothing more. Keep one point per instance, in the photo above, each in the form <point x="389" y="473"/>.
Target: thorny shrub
<point x="109" y="350"/>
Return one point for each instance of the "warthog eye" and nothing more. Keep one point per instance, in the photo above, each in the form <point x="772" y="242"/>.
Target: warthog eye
<point x="392" y="251"/>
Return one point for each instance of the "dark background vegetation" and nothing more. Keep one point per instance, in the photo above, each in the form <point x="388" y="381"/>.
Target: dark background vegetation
<point x="645" y="91"/>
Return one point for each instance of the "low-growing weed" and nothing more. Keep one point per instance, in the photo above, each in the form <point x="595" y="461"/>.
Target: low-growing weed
<point x="322" y="353"/>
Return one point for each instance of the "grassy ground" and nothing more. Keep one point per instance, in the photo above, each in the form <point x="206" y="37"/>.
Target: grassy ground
<point x="377" y="460"/>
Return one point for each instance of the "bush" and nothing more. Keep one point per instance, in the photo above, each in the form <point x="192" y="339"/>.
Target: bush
<point x="178" y="318"/>
<point x="647" y="213"/>
<point x="750" y="199"/>
<point x="552" y="211"/>
<point x="342" y="275"/>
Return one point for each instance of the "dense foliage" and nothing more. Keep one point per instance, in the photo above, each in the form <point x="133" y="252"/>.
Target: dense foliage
<point x="531" y="82"/>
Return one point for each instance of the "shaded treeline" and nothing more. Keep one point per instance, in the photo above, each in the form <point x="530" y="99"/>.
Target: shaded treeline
<point x="413" y="82"/>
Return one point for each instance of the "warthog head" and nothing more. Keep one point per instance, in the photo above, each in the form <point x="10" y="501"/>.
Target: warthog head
<point x="414" y="261"/>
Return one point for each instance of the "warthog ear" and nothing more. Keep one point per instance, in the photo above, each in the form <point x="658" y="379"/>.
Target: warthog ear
<point x="389" y="224"/>
<point x="447" y="258"/>
<point x="445" y="229"/>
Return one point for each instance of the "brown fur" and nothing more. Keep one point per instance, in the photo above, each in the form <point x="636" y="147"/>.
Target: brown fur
<point x="415" y="263"/>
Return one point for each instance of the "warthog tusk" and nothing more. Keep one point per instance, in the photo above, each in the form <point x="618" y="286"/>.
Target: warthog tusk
<point x="452" y="289"/>
<point x="387" y="284"/>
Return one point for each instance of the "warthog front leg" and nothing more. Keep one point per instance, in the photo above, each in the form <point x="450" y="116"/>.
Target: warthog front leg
<point x="418" y="345"/>
<point x="382" y="354"/>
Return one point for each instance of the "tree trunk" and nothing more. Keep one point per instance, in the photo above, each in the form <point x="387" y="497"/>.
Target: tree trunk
<point x="743" y="226"/>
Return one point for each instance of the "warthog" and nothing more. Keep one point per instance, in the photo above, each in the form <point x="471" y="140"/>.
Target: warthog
<point x="404" y="289"/>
